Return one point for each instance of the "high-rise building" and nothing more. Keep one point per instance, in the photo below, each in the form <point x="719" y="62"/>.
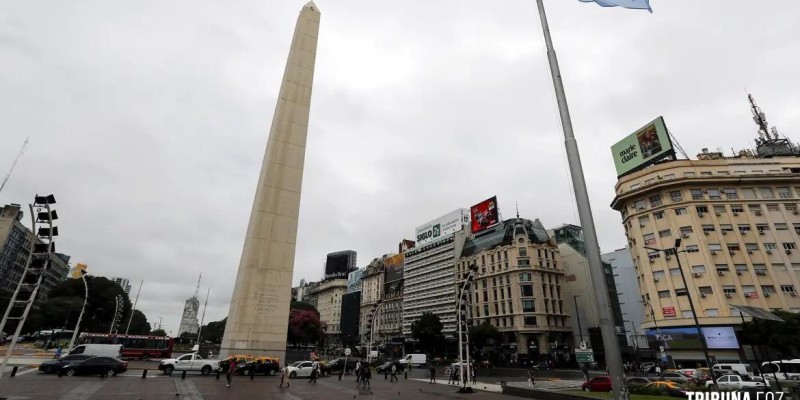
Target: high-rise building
<point x="630" y="301"/>
<point x="15" y="248"/>
<point x="124" y="283"/>
<point x="329" y="304"/>
<point x="340" y="264"/>
<point x="351" y="310"/>
<point x="738" y="224"/>
<point x="261" y="298"/>
<point x="518" y="289"/>
<point x="389" y="323"/>
<point x="429" y="271"/>
<point x="371" y="292"/>
<point x="578" y="290"/>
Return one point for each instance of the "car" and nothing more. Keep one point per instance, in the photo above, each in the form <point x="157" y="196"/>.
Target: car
<point x="387" y="367"/>
<point x="105" y="366"/>
<point x="337" y="365"/>
<point x="637" y="381"/>
<point x="299" y="369"/>
<point x="671" y="389"/>
<point x="52" y="366"/>
<point x="675" y="376"/>
<point x="734" y="382"/>
<point x="258" y="365"/>
<point x="597" y="384"/>
<point x="187" y="362"/>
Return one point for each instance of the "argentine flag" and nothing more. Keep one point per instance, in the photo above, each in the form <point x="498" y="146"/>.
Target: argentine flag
<point x="637" y="4"/>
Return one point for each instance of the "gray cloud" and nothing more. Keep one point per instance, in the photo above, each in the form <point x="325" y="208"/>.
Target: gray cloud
<point x="148" y="120"/>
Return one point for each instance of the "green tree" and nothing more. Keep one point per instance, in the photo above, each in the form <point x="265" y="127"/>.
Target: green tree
<point x="299" y="305"/>
<point x="139" y="324"/>
<point x="213" y="331"/>
<point x="781" y="336"/>
<point x="428" y="331"/>
<point x="484" y="334"/>
<point x="158" y="332"/>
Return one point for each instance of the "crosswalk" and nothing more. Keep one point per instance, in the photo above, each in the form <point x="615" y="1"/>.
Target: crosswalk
<point x="552" y="385"/>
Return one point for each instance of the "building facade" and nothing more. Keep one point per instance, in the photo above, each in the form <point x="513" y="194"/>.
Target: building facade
<point x="15" y="240"/>
<point x="329" y="304"/>
<point x="630" y="301"/>
<point x="738" y="221"/>
<point x="389" y="322"/>
<point x="518" y="289"/>
<point x="124" y="283"/>
<point x="371" y="293"/>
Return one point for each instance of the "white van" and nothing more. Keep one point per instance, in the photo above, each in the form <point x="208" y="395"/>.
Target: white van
<point x="742" y="369"/>
<point x="98" y="350"/>
<point x="414" y="359"/>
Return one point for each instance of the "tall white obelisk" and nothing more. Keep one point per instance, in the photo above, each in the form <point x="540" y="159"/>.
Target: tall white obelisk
<point x="259" y="313"/>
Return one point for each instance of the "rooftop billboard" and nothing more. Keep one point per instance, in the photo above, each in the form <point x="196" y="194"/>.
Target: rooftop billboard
<point x="354" y="280"/>
<point x="450" y="223"/>
<point x="394" y="267"/>
<point x="484" y="215"/>
<point x="339" y="265"/>
<point x="642" y="148"/>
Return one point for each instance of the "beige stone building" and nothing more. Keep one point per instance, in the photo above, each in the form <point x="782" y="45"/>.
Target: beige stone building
<point x="371" y="292"/>
<point x="329" y="304"/>
<point x="738" y="221"/>
<point x="519" y="288"/>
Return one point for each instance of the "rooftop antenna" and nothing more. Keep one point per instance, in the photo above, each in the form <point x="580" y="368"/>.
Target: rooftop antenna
<point x="198" y="285"/>
<point x="14" y="164"/>
<point x="760" y="119"/>
<point x="517" y="204"/>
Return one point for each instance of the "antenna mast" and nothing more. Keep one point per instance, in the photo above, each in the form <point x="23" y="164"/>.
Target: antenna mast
<point x="21" y="152"/>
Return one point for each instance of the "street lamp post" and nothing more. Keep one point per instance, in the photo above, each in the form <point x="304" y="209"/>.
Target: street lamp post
<point x="80" y="316"/>
<point x="635" y="345"/>
<point x="577" y="315"/>
<point x="674" y="251"/>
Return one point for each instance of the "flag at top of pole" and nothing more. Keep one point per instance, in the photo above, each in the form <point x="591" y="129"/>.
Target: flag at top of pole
<point x="637" y="4"/>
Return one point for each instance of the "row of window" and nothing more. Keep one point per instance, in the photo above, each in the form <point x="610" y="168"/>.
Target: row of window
<point x="732" y="248"/>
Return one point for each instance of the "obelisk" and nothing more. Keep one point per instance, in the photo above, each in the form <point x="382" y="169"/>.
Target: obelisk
<point x="259" y="313"/>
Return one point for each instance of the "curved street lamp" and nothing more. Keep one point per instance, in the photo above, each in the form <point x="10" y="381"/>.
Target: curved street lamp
<point x="80" y="316"/>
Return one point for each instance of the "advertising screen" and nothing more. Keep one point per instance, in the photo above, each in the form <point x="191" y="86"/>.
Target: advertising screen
<point x="394" y="268"/>
<point x="642" y="148"/>
<point x="339" y="265"/>
<point x="722" y="337"/>
<point x="452" y="222"/>
<point x="484" y="215"/>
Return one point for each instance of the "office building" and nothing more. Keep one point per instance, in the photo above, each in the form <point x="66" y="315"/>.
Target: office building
<point x="738" y="222"/>
<point x="518" y="289"/>
<point x="329" y="304"/>
<point x="340" y="264"/>
<point x="124" y="283"/>
<point x="389" y="321"/>
<point x="371" y="294"/>
<point x="630" y="301"/>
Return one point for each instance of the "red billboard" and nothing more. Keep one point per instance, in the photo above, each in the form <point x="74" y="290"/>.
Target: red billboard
<point x="668" y="311"/>
<point x="484" y="215"/>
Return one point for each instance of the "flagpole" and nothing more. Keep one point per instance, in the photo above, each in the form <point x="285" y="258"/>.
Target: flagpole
<point x="611" y="346"/>
<point x="134" y="306"/>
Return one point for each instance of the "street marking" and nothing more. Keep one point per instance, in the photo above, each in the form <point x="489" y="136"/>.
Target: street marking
<point x="27" y="371"/>
<point x="187" y="390"/>
<point x="290" y="396"/>
<point x="82" y="392"/>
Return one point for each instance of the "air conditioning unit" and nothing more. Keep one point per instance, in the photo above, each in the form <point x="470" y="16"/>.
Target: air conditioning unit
<point x="668" y="258"/>
<point x="795" y="212"/>
<point x="738" y="272"/>
<point x="641" y="225"/>
<point x="747" y="295"/>
<point x="724" y="232"/>
<point x="652" y="260"/>
<point x="760" y="232"/>
<point x="697" y="274"/>
<point x="749" y="251"/>
<point x="706" y="233"/>
<point x="720" y="273"/>
<point x="717" y="213"/>
<point x="793" y="294"/>
<point x="655" y="279"/>
<point x="767" y="294"/>
<point x="761" y="272"/>
<point x="769" y="251"/>
<point x="788" y="252"/>
<point x="732" y="252"/>
<point x="735" y="214"/>
<point x="685" y="235"/>
<point x="703" y="295"/>
<point x="701" y="214"/>
<point x="728" y="295"/>
<point x="713" y="252"/>
<point x="758" y="212"/>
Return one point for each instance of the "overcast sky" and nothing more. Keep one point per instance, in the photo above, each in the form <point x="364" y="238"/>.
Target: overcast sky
<point x="148" y="119"/>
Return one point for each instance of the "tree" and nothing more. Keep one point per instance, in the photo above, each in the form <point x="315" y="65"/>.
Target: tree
<point x="781" y="336"/>
<point x="158" y="332"/>
<point x="483" y="334"/>
<point x="304" y="327"/>
<point x="299" y="305"/>
<point x="139" y="324"/>
<point x="213" y="331"/>
<point x="428" y="331"/>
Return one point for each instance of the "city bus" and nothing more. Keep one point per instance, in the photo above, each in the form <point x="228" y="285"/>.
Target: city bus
<point x="140" y="347"/>
<point x="788" y="369"/>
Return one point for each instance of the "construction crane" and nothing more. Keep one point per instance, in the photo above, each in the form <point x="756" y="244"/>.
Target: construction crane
<point x="21" y="152"/>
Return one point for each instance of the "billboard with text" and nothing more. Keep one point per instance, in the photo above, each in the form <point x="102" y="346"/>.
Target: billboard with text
<point x="484" y="215"/>
<point x="450" y="223"/>
<point x="717" y="337"/>
<point x="394" y="267"/>
<point x="642" y="148"/>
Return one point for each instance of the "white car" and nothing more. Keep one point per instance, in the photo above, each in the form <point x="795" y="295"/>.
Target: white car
<point x="299" y="369"/>
<point x="734" y="382"/>
<point x="187" y="362"/>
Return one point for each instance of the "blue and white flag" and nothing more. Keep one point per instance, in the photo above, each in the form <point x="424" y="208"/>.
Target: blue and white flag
<point x="637" y="4"/>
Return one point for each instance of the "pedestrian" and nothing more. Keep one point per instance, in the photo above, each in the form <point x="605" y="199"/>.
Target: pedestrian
<point x="449" y="375"/>
<point x="586" y="372"/>
<point x="231" y="368"/>
<point x="433" y="374"/>
<point x="366" y="374"/>
<point x="358" y="373"/>
<point x="58" y="352"/>
<point x="394" y="373"/>
<point x="531" y="378"/>
<point x="314" y="372"/>
<point x="472" y="373"/>
<point x="283" y="378"/>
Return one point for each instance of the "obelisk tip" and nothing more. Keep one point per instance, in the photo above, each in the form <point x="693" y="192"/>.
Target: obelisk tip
<point x="311" y="6"/>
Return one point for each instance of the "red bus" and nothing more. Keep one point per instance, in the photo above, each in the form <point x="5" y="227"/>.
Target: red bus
<point x="140" y="347"/>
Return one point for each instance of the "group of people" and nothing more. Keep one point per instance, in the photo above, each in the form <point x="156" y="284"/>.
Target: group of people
<point x="363" y="375"/>
<point x="454" y="374"/>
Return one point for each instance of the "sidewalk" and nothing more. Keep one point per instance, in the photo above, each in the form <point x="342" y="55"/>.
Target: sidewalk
<point x="485" y="386"/>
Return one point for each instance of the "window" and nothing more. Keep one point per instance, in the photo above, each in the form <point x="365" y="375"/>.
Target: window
<point x="789" y="246"/>
<point x="768" y="289"/>
<point x="755" y="209"/>
<point x="723" y="172"/>
<point x="770" y="246"/>
<point x="779" y="267"/>
<point x="760" y="269"/>
<point x="687" y="314"/>
<point x="743" y="228"/>
<point x="681" y="211"/>
<point x="689" y="173"/>
<point x="762" y="227"/>
<point x="666" y="233"/>
<point x="697" y="194"/>
<point x="698" y="269"/>
<point x="714" y="247"/>
<point x="712" y="312"/>
<point x="728" y="289"/>
<point x="655" y="200"/>
<point x="701" y="209"/>
<point x="787" y="289"/>
<point x="681" y="292"/>
<point x="658" y="215"/>
<point x="686" y="230"/>
<point x="528" y="306"/>
<point x="526" y="290"/>
<point x="796" y="228"/>
<point x="784" y="193"/>
<point x="530" y="321"/>
<point x="748" y="193"/>
<point x="643" y="221"/>
<point x="640" y="204"/>
<point x="658" y="275"/>
<point x="663" y="294"/>
<point x="675" y="196"/>
<point x="781" y="227"/>
<point x="649" y="239"/>
<point x="737" y="208"/>
<point x="706" y="290"/>
<point x="721" y="267"/>
<point x="792" y="208"/>
<point x="719" y="210"/>
<point x="725" y="228"/>
<point x="773" y="208"/>
<point x="750" y="247"/>
<point x="714" y="194"/>
<point x="692" y="248"/>
<point x="525" y="277"/>
<point x="740" y="268"/>
<point x="675" y="272"/>
<point x="730" y="193"/>
<point x="708" y="228"/>
<point x="766" y="193"/>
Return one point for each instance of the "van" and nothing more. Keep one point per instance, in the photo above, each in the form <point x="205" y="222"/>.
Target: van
<point x="414" y="359"/>
<point x="98" y="350"/>
<point x="741" y="369"/>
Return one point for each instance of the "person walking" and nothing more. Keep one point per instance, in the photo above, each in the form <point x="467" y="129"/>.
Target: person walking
<point x="531" y="378"/>
<point x="449" y="375"/>
<point x="283" y="378"/>
<point x="231" y="368"/>
<point x="58" y="352"/>
<point x="358" y="373"/>
<point x="472" y="373"/>
<point x="366" y="374"/>
<point x="394" y="374"/>
<point x="314" y="372"/>
<point x="433" y="374"/>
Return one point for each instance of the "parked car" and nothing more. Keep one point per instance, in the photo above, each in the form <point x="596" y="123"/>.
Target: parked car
<point x="637" y="381"/>
<point x="597" y="384"/>
<point x="105" y="366"/>
<point x="258" y="365"/>
<point x="734" y="382"/>
<point x="674" y="376"/>
<point x="387" y="367"/>
<point x="337" y="365"/>
<point x="51" y="366"/>
<point x="665" y="388"/>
